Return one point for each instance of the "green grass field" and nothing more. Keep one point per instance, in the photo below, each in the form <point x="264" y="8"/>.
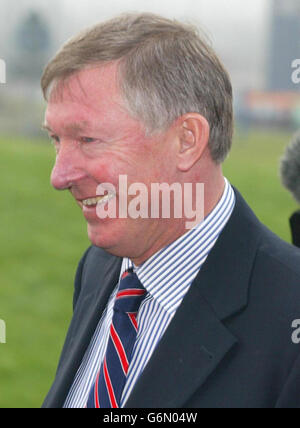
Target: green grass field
<point x="43" y="236"/>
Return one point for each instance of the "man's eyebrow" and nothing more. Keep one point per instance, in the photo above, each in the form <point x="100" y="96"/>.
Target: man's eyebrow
<point x="77" y="127"/>
<point x="45" y="127"/>
<point x="73" y="128"/>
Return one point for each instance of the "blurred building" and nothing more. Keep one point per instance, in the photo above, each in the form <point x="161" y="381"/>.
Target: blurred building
<point x="32" y="40"/>
<point x="284" y="44"/>
<point x="28" y="30"/>
<point x="278" y="104"/>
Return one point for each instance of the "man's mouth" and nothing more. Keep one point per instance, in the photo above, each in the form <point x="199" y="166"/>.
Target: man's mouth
<point x="97" y="200"/>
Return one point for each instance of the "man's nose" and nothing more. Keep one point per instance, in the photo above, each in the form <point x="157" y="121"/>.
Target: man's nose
<point x="67" y="170"/>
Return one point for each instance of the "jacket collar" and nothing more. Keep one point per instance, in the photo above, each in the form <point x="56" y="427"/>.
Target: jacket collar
<point x="224" y="279"/>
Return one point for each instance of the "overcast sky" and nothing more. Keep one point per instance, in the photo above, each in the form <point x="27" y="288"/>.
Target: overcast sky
<point x="215" y="15"/>
<point x="238" y="30"/>
<point x="218" y="11"/>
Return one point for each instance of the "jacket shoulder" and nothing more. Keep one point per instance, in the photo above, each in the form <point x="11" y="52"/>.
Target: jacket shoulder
<point x="279" y="253"/>
<point x="276" y="274"/>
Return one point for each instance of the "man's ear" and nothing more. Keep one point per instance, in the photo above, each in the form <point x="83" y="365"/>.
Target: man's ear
<point x="193" y="137"/>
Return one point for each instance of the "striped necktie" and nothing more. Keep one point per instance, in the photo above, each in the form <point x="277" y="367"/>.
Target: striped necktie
<point x="110" y="381"/>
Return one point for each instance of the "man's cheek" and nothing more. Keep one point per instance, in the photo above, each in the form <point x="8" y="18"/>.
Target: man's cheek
<point x="104" y="171"/>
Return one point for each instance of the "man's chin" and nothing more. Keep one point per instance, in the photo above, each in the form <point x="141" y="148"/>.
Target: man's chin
<point x="98" y="238"/>
<point x="105" y="238"/>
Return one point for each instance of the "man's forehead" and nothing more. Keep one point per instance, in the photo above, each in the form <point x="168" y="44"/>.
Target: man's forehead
<point x="90" y="101"/>
<point x="92" y="83"/>
<point x="85" y="97"/>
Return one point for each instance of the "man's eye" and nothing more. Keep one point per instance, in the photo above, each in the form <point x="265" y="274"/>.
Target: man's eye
<point x="55" y="138"/>
<point x="87" y="140"/>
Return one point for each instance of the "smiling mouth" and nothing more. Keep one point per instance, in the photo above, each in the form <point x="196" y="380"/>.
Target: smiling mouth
<point x="98" y="200"/>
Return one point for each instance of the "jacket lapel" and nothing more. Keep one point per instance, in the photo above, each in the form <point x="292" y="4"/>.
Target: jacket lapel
<point x="197" y="340"/>
<point x="100" y="276"/>
<point x="191" y="348"/>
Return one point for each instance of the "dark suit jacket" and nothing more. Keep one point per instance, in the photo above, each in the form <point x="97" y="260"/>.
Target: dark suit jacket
<point x="230" y="342"/>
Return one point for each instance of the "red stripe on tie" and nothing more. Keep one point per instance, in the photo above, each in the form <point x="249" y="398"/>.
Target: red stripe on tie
<point x="96" y="396"/>
<point x="130" y="292"/>
<point x="120" y="349"/>
<point x="126" y="273"/>
<point x="132" y="317"/>
<point x="109" y="387"/>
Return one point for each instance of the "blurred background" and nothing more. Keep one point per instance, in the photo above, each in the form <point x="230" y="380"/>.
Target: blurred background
<point x="43" y="234"/>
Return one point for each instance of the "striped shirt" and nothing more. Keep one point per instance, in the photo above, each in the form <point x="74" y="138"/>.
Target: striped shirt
<point x="166" y="276"/>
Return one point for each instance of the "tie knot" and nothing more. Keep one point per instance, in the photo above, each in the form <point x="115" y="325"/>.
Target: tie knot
<point x="130" y="293"/>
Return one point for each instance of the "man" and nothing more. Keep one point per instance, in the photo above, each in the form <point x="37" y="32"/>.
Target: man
<point x="290" y="177"/>
<point x="145" y="97"/>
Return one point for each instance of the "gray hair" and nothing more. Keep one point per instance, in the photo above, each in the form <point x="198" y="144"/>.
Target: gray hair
<point x="290" y="167"/>
<point x="165" y="70"/>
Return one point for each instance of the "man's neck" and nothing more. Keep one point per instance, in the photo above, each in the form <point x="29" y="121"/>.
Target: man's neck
<point x="171" y="232"/>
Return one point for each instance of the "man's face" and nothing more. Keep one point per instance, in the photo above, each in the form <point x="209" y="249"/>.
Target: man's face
<point x="96" y="141"/>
